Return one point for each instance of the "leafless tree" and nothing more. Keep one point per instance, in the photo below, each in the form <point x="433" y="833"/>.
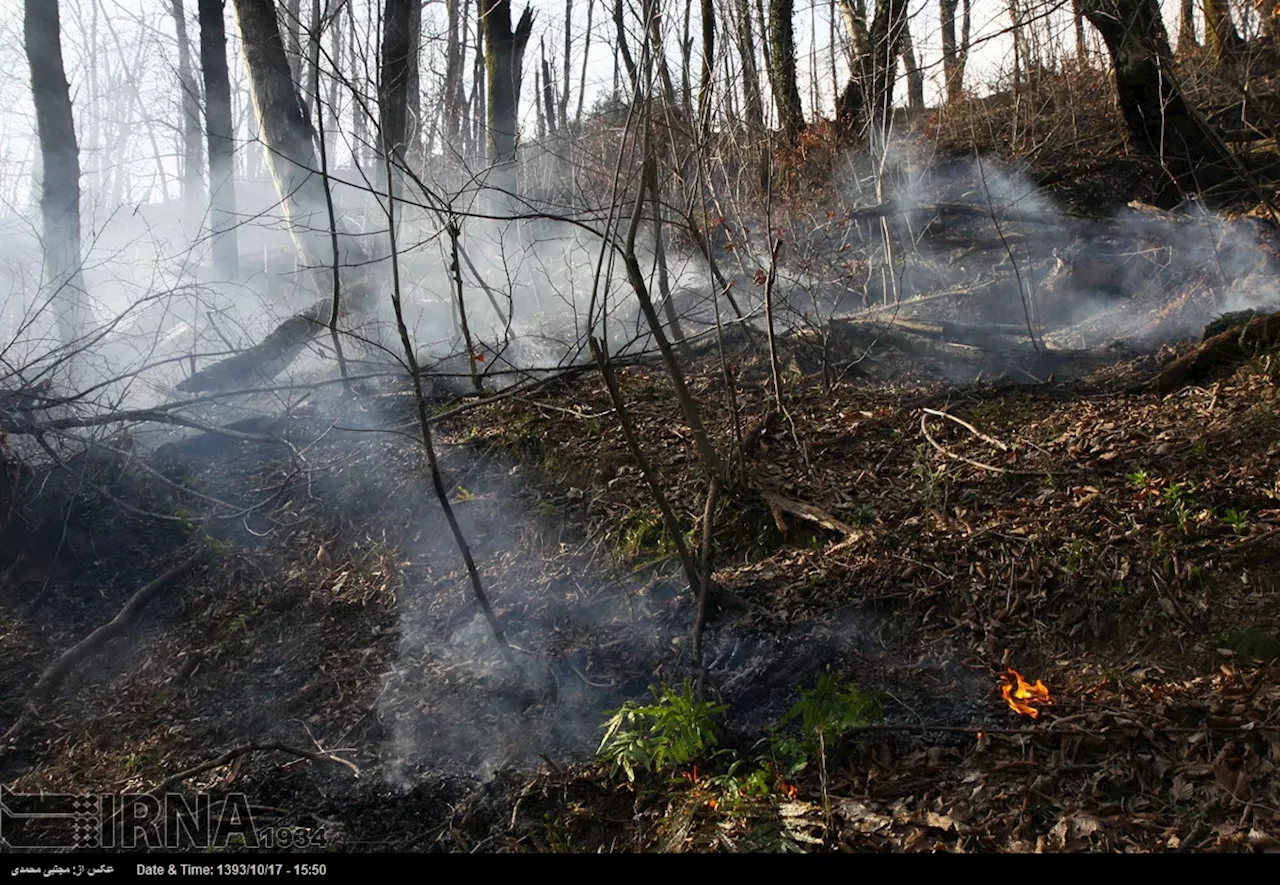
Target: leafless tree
<point x="60" y="161"/>
<point x="220" y="134"/>
<point x="782" y="49"/>
<point x="955" y="54"/>
<point x="192" y="138"/>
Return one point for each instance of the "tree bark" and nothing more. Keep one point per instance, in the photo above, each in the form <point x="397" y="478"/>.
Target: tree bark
<point x="786" y="89"/>
<point x="504" y="60"/>
<point x="915" y="79"/>
<point x="399" y="58"/>
<point x="624" y="50"/>
<point x="453" y="70"/>
<point x="1160" y="121"/>
<point x="291" y="150"/>
<point x="192" y="138"/>
<point x="293" y="37"/>
<point x="1220" y="33"/>
<point x="955" y="54"/>
<point x="60" y="160"/>
<point x="752" y="101"/>
<point x="706" y="81"/>
<point x="586" y="53"/>
<point x="549" y="94"/>
<point x="563" y="114"/>
<point x="866" y="105"/>
<point x="221" y="138"/>
<point x="1186" y="25"/>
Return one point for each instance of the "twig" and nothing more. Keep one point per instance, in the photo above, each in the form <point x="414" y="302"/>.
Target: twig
<point x="54" y="675"/>
<point x="924" y="428"/>
<point x="969" y="427"/>
<point x="231" y="755"/>
<point x="809" y="512"/>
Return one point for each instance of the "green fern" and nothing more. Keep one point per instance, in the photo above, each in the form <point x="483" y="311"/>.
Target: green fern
<point x="675" y="730"/>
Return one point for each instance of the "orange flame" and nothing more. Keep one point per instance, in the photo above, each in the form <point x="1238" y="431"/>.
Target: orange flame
<point x="1022" y="696"/>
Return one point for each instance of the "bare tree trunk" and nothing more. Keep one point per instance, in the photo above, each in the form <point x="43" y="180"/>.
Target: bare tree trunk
<point x="1160" y="122"/>
<point x="1186" y="25"/>
<point x="539" y="121"/>
<point x="866" y="105"/>
<point x="915" y="79"/>
<point x="752" y="101"/>
<point x="311" y="92"/>
<point x="359" y="125"/>
<point x="1077" y="22"/>
<point x="479" y="114"/>
<point x="1220" y="33"/>
<point x="548" y="92"/>
<point x="221" y="138"/>
<point x="954" y="54"/>
<point x="653" y="28"/>
<point x="786" y="88"/>
<point x="504" y="61"/>
<point x="293" y="37"/>
<point x="706" y="81"/>
<point x="192" y="139"/>
<point x="620" y="24"/>
<point x="764" y="41"/>
<point x="586" y="53"/>
<point x="399" y="58"/>
<point x="563" y="116"/>
<point x="1019" y="43"/>
<point x="453" y="70"/>
<point x="291" y="150"/>
<point x="60" y="160"/>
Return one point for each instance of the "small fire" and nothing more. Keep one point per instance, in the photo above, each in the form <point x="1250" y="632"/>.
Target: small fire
<point x="1022" y="696"/>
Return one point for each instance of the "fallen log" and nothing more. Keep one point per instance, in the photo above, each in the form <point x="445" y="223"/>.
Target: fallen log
<point x="265" y="360"/>
<point x="1227" y="348"/>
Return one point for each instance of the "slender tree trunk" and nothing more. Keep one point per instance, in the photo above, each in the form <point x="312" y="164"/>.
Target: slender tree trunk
<point x="786" y="88"/>
<point x="399" y="57"/>
<point x="1186" y="25"/>
<point x="220" y="135"/>
<point x="414" y="125"/>
<point x="359" y="124"/>
<point x="333" y="13"/>
<point x="955" y="53"/>
<point x="620" y="25"/>
<point x="866" y="105"/>
<point x="479" y="115"/>
<point x="1019" y="43"/>
<point x="1077" y="22"/>
<point x="292" y="24"/>
<point x="915" y="79"/>
<point x="652" y="13"/>
<point x="539" y="121"/>
<point x="193" y="196"/>
<point x="752" y="101"/>
<point x="764" y="41"/>
<point x="60" y="161"/>
<point x="586" y="54"/>
<point x="1220" y="33"/>
<point x="312" y="69"/>
<point x="504" y="60"/>
<point x="563" y="114"/>
<point x="453" y="70"/>
<point x="548" y="92"/>
<point x="706" y="81"/>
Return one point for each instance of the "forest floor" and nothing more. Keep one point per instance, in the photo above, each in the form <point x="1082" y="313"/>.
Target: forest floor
<point x="1117" y="545"/>
<point x="968" y="518"/>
